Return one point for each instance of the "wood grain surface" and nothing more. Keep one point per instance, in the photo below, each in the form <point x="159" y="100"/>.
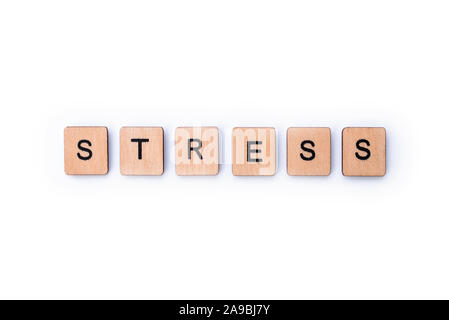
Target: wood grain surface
<point x="86" y="150"/>
<point x="253" y="151"/>
<point x="364" y="152"/>
<point x="309" y="151"/>
<point x="150" y="159"/>
<point x="196" y="151"/>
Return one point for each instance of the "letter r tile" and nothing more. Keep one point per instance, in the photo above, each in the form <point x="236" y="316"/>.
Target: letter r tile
<point x="364" y="152"/>
<point x="196" y="151"/>
<point x="253" y="151"/>
<point x="86" y="150"/>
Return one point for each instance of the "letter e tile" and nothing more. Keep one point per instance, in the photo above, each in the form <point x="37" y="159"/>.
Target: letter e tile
<point x="253" y="151"/>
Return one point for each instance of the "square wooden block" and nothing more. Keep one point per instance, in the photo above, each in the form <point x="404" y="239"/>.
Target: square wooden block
<point x="141" y="151"/>
<point x="364" y="152"/>
<point x="196" y="151"/>
<point x="86" y="150"/>
<point x="308" y="151"/>
<point x="253" y="151"/>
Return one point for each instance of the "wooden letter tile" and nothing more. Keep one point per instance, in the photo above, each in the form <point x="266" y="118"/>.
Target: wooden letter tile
<point x="253" y="151"/>
<point x="86" y="150"/>
<point x="364" y="152"/>
<point x="141" y="150"/>
<point x="309" y="151"/>
<point x="196" y="151"/>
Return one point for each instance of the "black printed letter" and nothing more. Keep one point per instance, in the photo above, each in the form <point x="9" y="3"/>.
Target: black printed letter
<point x="84" y="149"/>
<point x="303" y="147"/>
<point x="368" y="152"/>
<point x="249" y="151"/>
<point x="196" y="149"/>
<point x="139" y="146"/>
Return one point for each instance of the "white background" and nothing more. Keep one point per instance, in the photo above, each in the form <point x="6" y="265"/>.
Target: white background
<point x="224" y="63"/>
